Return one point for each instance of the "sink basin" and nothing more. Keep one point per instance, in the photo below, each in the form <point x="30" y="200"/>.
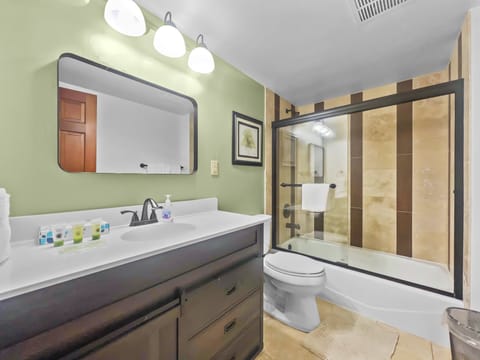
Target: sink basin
<point x="157" y="232"/>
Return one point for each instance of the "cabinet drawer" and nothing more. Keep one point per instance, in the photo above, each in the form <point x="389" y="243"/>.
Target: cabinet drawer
<point x="245" y="346"/>
<point x="223" y="331"/>
<point x="224" y="291"/>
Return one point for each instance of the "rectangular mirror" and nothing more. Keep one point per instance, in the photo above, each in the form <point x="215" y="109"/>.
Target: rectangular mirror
<point x="111" y="122"/>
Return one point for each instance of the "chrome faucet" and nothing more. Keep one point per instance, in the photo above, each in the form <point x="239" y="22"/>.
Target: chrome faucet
<point x="152" y="218"/>
<point x="146" y="218"/>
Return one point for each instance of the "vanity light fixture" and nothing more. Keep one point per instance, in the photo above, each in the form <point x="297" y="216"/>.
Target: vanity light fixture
<point x="168" y="40"/>
<point x="125" y="16"/>
<point x="201" y="59"/>
<point x="323" y="130"/>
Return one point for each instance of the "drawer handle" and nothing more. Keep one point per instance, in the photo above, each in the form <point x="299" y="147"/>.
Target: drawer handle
<point x="230" y="291"/>
<point x="229" y="326"/>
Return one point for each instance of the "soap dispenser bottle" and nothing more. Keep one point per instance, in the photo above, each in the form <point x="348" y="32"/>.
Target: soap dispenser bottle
<point x="167" y="209"/>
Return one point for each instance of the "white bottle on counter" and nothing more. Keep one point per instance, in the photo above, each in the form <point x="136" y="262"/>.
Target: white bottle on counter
<point x="5" y="232"/>
<point x="167" y="210"/>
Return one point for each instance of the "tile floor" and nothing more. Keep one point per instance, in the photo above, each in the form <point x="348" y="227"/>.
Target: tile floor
<point x="284" y="343"/>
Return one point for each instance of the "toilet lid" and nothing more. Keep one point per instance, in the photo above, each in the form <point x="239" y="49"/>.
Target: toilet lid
<point x="294" y="264"/>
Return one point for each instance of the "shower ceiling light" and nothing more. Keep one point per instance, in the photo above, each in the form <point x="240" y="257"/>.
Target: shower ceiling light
<point x="323" y="130"/>
<point x="125" y="16"/>
<point x="168" y="40"/>
<point x="201" y="59"/>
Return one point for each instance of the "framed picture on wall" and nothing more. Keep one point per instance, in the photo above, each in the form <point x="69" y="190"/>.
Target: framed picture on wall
<point x="247" y="140"/>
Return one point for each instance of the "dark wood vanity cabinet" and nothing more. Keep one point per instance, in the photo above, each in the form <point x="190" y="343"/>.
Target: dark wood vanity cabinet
<point x="202" y="301"/>
<point x="217" y="313"/>
<point x="153" y="339"/>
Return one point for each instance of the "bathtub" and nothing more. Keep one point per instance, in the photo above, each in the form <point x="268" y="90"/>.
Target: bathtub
<point x="410" y="309"/>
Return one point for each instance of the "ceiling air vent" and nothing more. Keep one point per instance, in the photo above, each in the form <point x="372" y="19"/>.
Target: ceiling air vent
<point x="368" y="9"/>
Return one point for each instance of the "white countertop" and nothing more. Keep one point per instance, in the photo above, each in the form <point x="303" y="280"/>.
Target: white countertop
<point x="32" y="267"/>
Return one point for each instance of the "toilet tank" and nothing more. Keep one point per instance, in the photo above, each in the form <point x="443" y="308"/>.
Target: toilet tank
<point x="267" y="231"/>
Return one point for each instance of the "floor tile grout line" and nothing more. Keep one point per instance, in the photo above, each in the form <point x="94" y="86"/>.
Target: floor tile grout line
<point x="395" y="347"/>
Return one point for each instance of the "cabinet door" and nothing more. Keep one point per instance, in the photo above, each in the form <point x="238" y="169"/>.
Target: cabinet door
<point x="153" y="340"/>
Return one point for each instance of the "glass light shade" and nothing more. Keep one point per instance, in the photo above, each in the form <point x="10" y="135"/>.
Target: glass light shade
<point x="323" y="130"/>
<point x="201" y="60"/>
<point x="169" y="41"/>
<point x="125" y="16"/>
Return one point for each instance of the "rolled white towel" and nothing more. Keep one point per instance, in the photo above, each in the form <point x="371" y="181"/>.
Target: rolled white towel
<point x="5" y="213"/>
<point x="5" y="232"/>
<point x="4" y="204"/>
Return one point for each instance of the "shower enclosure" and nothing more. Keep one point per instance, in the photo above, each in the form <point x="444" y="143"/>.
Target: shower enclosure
<point x="396" y="210"/>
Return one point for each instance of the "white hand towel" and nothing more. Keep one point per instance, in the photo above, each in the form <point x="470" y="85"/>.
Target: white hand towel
<point x="315" y="197"/>
<point x="4" y="204"/>
<point x="5" y="232"/>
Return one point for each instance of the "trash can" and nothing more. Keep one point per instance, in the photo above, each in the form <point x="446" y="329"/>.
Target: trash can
<point x="464" y="327"/>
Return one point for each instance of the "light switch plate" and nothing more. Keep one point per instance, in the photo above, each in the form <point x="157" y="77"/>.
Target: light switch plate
<point x="214" y="167"/>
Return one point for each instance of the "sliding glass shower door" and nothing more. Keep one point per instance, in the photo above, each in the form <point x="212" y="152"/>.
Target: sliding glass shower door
<point x="393" y="167"/>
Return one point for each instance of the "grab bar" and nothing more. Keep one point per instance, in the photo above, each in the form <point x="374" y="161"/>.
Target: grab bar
<point x="332" y="186"/>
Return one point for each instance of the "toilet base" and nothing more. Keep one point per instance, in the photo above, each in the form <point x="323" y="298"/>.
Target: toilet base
<point x="297" y="311"/>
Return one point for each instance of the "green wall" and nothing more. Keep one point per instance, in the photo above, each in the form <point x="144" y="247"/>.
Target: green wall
<point x="33" y="33"/>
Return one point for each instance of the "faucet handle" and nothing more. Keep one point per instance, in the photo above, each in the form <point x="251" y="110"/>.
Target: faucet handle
<point x="153" y="215"/>
<point x="135" y="220"/>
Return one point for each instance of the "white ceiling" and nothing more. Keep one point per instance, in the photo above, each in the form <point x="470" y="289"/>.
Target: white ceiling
<point x="310" y="50"/>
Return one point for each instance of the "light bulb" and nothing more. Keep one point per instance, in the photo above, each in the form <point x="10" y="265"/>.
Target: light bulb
<point x="125" y="16"/>
<point x="323" y="130"/>
<point x="168" y="40"/>
<point x="201" y="59"/>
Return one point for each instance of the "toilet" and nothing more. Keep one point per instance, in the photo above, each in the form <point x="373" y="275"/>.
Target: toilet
<point x="291" y="284"/>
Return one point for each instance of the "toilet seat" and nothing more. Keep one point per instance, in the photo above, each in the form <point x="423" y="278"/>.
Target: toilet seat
<point x="294" y="269"/>
<point x="294" y="264"/>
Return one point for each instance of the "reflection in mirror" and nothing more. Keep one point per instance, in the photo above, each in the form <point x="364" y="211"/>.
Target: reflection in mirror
<point x="393" y="211"/>
<point x="110" y="122"/>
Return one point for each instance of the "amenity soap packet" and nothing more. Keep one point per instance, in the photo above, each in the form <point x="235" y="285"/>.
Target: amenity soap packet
<point x="76" y="233"/>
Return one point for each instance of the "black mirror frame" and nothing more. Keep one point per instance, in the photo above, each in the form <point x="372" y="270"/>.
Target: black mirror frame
<point x="131" y="77"/>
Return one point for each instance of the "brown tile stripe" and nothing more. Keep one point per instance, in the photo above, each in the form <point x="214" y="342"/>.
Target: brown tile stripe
<point x="356" y="128"/>
<point x="404" y="172"/>
<point x="276" y="103"/>
<point x="460" y="57"/>
<point x="356" y="227"/>
<point x="356" y="170"/>
<point x="318" y="225"/>
<point x="319" y="106"/>
<point x="319" y="220"/>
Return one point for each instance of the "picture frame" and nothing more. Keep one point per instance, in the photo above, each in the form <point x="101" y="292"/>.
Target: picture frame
<point x="247" y="140"/>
